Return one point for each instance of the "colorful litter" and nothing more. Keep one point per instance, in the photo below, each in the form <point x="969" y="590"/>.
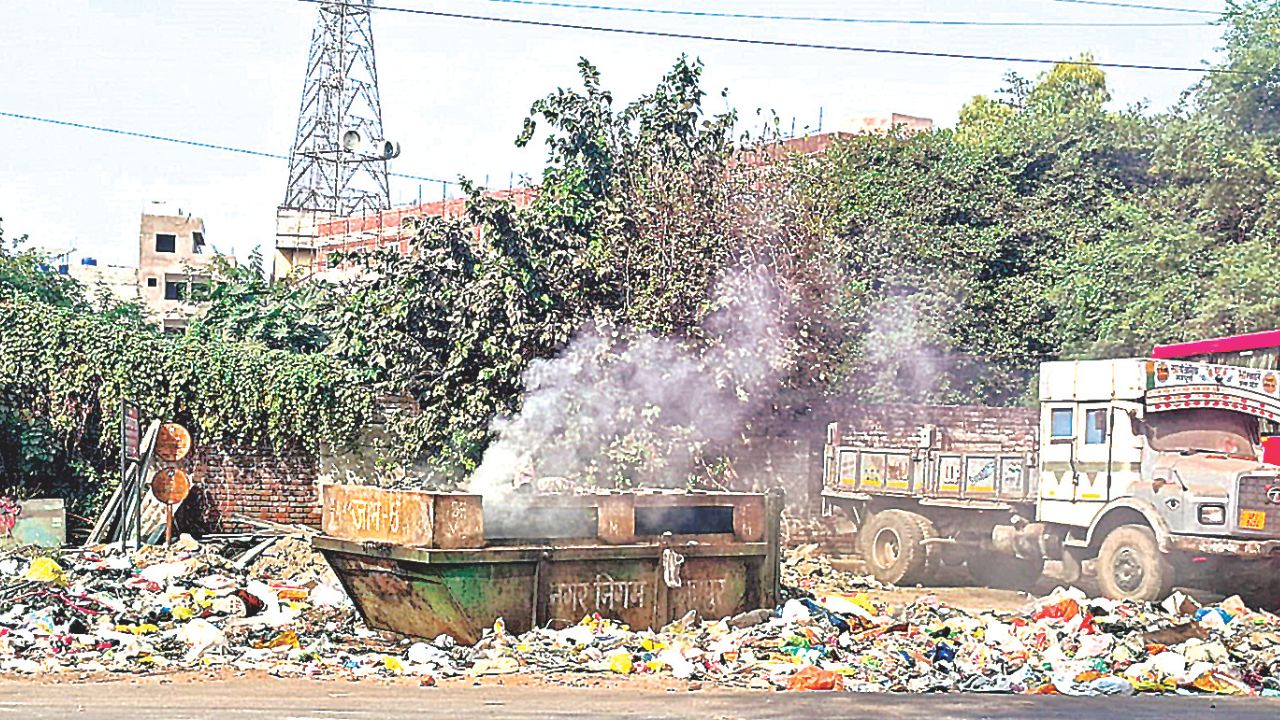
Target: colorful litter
<point x="205" y="607"/>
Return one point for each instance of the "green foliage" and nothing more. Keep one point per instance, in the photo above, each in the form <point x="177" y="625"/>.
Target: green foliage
<point x="65" y="367"/>
<point x="240" y="302"/>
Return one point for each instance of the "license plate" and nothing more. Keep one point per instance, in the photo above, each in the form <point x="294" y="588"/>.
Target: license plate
<point x="1253" y="519"/>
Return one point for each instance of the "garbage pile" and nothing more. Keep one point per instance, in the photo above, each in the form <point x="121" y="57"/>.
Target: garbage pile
<point x="807" y="569"/>
<point x="192" y="606"/>
<point x="199" y="607"/>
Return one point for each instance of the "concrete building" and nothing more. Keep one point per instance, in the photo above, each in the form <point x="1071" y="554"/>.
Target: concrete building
<point x="173" y="257"/>
<point x="120" y="281"/>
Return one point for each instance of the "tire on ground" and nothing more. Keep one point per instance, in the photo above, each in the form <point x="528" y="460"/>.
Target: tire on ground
<point x="1005" y="572"/>
<point x="891" y="544"/>
<point x="1130" y="565"/>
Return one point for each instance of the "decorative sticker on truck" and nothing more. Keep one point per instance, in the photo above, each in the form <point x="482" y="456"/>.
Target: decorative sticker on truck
<point x="897" y="471"/>
<point x="848" y="477"/>
<point x="872" y="471"/>
<point x="980" y="476"/>
<point x="949" y="477"/>
<point x="1181" y="385"/>
<point x="1011" y="477"/>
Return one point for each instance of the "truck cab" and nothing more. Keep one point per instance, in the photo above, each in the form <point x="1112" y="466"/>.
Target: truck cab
<point x="1150" y="470"/>
<point x="1154" y="468"/>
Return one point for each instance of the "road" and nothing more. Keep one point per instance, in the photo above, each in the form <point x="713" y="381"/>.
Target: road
<point x="273" y="699"/>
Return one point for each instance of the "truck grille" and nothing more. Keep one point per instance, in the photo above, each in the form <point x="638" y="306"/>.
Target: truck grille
<point x="1253" y="497"/>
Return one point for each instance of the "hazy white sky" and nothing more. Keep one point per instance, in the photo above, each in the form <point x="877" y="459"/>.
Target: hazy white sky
<point x="454" y="92"/>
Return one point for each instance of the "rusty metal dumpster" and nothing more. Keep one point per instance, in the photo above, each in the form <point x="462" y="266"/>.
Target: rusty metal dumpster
<point x="429" y="563"/>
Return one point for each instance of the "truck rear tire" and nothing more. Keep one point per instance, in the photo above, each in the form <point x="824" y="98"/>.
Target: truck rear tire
<point x="892" y="545"/>
<point x="1005" y="572"/>
<point x="1130" y="565"/>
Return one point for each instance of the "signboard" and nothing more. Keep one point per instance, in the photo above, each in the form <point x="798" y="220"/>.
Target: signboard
<point x="130" y="431"/>
<point x="173" y="444"/>
<point x="1173" y="385"/>
<point x="171" y="486"/>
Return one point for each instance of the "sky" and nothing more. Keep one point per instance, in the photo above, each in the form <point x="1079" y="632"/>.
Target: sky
<point x="455" y="92"/>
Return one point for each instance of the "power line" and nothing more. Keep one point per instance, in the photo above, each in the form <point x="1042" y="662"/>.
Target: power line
<point x="866" y="21"/>
<point x="1133" y="6"/>
<point x="786" y="44"/>
<point x="181" y="141"/>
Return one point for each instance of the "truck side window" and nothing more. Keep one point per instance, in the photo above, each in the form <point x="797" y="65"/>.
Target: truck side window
<point x="1060" y="422"/>
<point x="1095" y="427"/>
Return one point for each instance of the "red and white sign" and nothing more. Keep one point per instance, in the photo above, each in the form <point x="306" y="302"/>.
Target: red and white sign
<point x="1173" y="385"/>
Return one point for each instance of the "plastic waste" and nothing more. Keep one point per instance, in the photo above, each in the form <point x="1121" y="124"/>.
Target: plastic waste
<point x="810" y="677"/>
<point x="44" y="570"/>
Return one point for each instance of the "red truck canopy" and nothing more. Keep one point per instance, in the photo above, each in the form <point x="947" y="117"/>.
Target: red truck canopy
<point x="1225" y="344"/>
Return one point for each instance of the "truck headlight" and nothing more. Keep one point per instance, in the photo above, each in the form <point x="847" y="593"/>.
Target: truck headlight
<point x="1213" y="515"/>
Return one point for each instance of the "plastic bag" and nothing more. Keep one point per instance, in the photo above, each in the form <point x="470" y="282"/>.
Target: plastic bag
<point x="811" y="677"/>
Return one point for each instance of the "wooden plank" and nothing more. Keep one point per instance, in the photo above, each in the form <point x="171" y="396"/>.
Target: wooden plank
<point x="370" y="514"/>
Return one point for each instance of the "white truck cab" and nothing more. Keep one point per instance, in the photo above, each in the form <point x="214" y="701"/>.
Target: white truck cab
<point x="1151" y="469"/>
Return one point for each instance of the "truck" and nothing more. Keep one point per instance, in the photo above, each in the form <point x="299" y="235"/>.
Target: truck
<point x="1147" y="471"/>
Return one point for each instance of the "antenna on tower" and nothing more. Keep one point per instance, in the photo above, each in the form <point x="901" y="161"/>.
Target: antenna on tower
<point x="339" y="158"/>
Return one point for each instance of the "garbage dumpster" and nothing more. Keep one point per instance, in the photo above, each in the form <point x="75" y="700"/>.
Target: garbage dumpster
<point x="423" y="563"/>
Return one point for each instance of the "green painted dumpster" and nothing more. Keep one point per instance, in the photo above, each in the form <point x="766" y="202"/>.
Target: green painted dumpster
<point x="642" y="558"/>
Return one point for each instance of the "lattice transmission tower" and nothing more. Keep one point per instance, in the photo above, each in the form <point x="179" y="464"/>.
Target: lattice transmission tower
<point x="339" y="159"/>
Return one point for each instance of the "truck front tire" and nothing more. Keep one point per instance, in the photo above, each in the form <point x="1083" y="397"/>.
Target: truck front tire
<point x="892" y="545"/>
<point x="1130" y="565"/>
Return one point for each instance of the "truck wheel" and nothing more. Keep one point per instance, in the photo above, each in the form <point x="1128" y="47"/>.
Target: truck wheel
<point x="891" y="545"/>
<point x="1131" y="567"/>
<point x="1005" y="572"/>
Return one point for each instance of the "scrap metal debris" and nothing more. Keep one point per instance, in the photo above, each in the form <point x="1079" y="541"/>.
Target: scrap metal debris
<point x="196" y="607"/>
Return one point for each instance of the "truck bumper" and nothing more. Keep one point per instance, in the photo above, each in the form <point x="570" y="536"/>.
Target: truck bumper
<point x="1259" y="549"/>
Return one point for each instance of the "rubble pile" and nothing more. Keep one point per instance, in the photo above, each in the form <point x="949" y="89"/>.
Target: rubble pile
<point x="199" y="607"/>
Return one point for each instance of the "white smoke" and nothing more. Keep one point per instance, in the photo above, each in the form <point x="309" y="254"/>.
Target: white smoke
<point x="618" y="408"/>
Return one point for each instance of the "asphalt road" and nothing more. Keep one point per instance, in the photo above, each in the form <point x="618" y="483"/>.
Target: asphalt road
<point x="308" y="700"/>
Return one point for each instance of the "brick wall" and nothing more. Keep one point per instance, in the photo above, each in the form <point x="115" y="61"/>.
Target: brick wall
<point x="961" y="428"/>
<point x="258" y="482"/>
<point x="795" y="463"/>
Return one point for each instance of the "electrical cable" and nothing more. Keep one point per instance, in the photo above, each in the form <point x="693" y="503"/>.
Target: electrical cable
<point x="1134" y="6"/>
<point x="850" y="20"/>
<point x="784" y="43"/>
<point x="193" y="143"/>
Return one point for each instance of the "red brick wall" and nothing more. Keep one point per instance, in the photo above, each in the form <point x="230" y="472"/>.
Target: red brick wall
<point x="257" y="482"/>
<point x="960" y="427"/>
<point x="795" y="464"/>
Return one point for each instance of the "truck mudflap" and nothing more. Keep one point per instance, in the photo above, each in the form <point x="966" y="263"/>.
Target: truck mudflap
<point x="1196" y="545"/>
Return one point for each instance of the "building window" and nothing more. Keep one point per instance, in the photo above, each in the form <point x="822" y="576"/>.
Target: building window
<point x="1095" y="427"/>
<point x="152" y="282"/>
<point x="166" y="243"/>
<point x="197" y="243"/>
<point x="1060" y="422"/>
<point x="174" y="290"/>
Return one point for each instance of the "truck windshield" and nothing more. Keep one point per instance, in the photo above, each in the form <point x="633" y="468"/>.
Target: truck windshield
<point x="1203" y="430"/>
